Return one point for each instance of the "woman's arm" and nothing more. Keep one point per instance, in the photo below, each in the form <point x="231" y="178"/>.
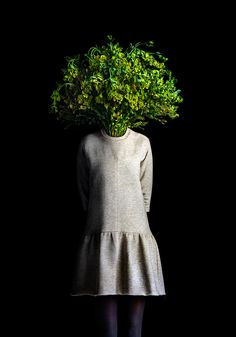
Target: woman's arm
<point x="146" y="177"/>
<point x="83" y="175"/>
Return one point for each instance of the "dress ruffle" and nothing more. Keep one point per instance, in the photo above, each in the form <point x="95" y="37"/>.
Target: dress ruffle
<point x="118" y="263"/>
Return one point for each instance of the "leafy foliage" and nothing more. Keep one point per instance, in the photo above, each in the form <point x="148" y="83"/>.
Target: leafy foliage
<point x="116" y="88"/>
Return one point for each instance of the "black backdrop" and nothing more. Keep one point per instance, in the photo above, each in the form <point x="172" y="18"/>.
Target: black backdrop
<point x="188" y="156"/>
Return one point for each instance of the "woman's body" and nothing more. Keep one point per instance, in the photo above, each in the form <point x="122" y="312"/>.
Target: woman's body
<point x="118" y="254"/>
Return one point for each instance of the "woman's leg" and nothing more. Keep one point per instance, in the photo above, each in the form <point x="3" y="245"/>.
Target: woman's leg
<point x="106" y="315"/>
<point x="134" y="309"/>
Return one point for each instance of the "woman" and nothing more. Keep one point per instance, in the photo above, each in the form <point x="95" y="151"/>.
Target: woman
<point x="118" y="256"/>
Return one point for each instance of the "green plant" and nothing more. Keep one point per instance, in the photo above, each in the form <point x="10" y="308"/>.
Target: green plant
<point x="116" y="88"/>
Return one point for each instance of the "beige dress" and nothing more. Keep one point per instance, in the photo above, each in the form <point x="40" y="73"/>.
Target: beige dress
<point x="117" y="254"/>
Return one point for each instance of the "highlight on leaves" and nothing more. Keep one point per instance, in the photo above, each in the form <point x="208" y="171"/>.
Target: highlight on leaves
<point x="115" y="88"/>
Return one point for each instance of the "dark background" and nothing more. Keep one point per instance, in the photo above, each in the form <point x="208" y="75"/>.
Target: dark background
<point x="189" y="160"/>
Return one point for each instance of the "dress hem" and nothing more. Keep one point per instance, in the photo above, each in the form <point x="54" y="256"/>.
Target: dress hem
<point x="119" y="294"/>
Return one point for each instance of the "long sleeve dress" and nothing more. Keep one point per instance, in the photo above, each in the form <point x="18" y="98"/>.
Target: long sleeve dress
<point x="118" y="254"/>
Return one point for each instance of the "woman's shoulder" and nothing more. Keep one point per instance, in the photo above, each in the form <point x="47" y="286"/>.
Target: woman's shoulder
<point x="139" y="136"/>
<point x="90" y="136"/>
<point x="97" y="136"/>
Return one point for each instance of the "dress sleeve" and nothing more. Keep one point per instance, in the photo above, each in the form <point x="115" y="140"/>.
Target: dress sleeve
<point x="146" y="177"/>
<point x="82" y="176"/>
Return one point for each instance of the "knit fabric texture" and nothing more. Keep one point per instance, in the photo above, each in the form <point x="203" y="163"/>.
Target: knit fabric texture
<point x="117" y="253"/>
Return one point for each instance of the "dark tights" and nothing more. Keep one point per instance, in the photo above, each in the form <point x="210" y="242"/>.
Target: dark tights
<point x="106" y="314"/>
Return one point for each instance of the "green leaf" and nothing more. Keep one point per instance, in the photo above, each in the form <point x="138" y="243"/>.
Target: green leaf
<point x="117" y="87"/>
